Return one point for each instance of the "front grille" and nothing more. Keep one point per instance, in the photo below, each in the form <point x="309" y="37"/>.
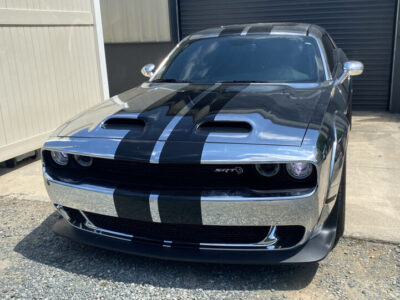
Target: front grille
<point x="188" y="235"/>
<point x="146" y="176"/>
<point x="182" y="232"/>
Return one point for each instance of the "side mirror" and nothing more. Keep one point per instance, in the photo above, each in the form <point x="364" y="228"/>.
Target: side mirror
<point x="351" y="68"/>
<point x="148" y="69"/>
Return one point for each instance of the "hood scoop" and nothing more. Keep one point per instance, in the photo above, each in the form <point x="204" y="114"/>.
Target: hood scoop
<point x="224" y="127"/>
<point x="121" y="123"/>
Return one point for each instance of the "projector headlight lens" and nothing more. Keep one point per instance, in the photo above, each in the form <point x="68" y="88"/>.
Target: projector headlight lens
<point x="84" y="161"/>
<point x="60" y="158"/>
<point x="299" y="170"/>
<point x="268" y="170"/>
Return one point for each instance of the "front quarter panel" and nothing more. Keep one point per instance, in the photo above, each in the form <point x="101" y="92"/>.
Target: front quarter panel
<point x="328" y="133"/>
<point x="332" y="144"/>
<point x="338" y="154"/>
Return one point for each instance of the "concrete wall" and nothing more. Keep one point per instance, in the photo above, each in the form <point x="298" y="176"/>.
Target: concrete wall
<point x="49" y="69"/>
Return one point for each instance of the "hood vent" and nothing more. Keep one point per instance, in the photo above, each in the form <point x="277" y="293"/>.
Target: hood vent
<point x="225" y="127"/>
<point x="123" y="124"/>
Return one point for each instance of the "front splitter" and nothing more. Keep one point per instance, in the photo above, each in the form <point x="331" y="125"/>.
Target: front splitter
<point x="313" y="250"/>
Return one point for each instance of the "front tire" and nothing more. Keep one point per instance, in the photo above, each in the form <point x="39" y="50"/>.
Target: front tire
<point x="341" y="203"/>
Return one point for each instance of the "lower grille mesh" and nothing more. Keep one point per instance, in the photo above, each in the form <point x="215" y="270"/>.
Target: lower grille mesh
<point x="182" y="233"/>
<point x="288" y="236"/>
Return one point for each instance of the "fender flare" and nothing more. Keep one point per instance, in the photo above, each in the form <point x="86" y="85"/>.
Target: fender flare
<point x="340" y="127"/>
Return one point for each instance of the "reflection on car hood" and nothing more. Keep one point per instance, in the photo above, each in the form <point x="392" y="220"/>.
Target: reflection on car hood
<point x="270" y="114"/>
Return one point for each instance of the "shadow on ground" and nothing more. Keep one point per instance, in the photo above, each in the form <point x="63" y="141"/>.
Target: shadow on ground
<point x="4" y="169"/>
<point x="43" y="246"/>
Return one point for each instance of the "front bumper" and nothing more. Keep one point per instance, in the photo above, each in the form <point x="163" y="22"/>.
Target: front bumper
<point x="302" y="209"/>
<point x="314" y="249"/>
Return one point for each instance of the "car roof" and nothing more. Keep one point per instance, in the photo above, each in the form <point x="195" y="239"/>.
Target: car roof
<point x="301" y="29"/>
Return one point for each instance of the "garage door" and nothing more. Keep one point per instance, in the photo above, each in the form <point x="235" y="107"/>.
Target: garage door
<point x="362" y="28"/>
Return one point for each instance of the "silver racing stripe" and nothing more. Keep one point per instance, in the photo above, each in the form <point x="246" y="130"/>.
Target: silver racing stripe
<point x="153" y="202"/>
<point x="245" y="30"/>
<point x="155" y="155"/>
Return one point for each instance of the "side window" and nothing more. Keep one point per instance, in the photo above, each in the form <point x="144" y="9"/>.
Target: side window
<point x="330" y="51"/>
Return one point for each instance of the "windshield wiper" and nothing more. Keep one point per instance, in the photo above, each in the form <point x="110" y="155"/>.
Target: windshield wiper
<point x="171" y="80"/>
<point x="242" y="81"/>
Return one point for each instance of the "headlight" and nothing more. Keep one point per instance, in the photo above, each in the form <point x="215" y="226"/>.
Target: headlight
<point x="268" y="170"/>
<point x="299" y="170"/>
<point x="84" y="161"/>
<point x="60" y="158"/>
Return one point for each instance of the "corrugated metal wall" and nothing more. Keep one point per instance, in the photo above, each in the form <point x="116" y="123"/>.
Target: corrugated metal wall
<point x="127" y="21"/>
<point x="363" y="28"/>
<point x="49" y="69"/>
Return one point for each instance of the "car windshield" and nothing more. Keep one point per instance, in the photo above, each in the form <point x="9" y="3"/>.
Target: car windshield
<point x="260" y="58"/>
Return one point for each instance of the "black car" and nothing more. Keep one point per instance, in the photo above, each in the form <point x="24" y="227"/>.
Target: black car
<point x="234" y="151"/>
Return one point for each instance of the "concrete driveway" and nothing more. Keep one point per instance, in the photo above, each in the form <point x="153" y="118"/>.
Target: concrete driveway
<point x="373" y="178"/>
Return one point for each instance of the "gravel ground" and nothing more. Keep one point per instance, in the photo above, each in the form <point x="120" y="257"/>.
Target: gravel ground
<point x="36" y="264"/>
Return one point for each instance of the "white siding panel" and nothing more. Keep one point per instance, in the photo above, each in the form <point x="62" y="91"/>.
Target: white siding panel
<point x="44" y="17"/>
<point x="135" y="21"/>
<point x="48" y="74"/>
<point x="61" y="5"/>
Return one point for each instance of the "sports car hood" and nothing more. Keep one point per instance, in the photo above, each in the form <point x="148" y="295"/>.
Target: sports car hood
<point x="222" y="113"/>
